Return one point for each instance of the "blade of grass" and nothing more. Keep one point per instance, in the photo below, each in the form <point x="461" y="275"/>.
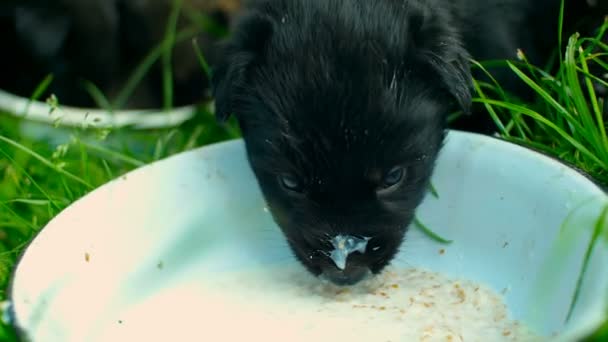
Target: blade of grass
<point x="533" y="70"/>
<point x="600" y="227"/>
<point x="203" y="21"/>
<point x="491" y="111"/>
<point x="579" y="146"/>
<point x="140" y="72"/>
<point x="597" y="40"/>
<point x="169" y="42"/>
<point x="161" y="144"/>
<point x="35" y="202"/>
<point x="601" y="63"/>
<point x="191" y="143"/>
<point x="433" y="190"/>
<point x="28" y="176"/>
<point x="430" y="233"/>
<point x="201" y="59"/>
<point x="84" y="164"/>
<point x="590" y="128"/>
<point x="577" y="127"/>
<point x="16" y="250"/>
<point x="45" y="161"/>
<point x="67" y="189"/>
<point x="496" y="84"/>
<point x="597" y="55"/>
<point x="107" y="169"/>
<point x="97" y="95"/>
<point x="592" y="77"/>
<point x="6" y="226"/>
<point x="517" y="120"/>
<point x="454" y="116"/>
<point x="18" y="218"/>
<point x="113" y="154"/>
<point x="560" y="27"/>
<point x="40" y="89"/>
<point x="594" y="105"/>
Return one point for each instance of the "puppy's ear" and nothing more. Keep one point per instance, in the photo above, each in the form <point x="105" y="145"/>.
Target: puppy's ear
<point x="229" y="76"/>
<point x="454" y="72"/>
<point x="442" y="49"/>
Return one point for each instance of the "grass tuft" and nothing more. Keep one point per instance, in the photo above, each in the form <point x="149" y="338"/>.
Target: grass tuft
<point x="567" y="121"/>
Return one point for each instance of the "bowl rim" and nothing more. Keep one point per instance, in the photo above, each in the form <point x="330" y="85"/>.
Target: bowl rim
<point x="597" y="183"/>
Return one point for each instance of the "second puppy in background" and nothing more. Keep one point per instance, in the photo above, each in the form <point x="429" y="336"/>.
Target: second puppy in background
<point x="103" y="41"/>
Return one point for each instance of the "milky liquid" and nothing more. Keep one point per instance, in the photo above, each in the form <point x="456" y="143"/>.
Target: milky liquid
<point x="287" y="304"/>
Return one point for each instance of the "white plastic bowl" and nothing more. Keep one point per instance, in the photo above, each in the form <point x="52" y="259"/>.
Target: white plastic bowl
<point x="201" y="212"/>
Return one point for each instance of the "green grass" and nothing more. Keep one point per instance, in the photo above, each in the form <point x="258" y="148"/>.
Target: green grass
<point x="567" y="121"/>
<point x="41" y="177"/>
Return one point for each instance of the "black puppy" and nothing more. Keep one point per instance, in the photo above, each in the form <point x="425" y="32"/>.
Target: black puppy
<point x="343" y="107"/>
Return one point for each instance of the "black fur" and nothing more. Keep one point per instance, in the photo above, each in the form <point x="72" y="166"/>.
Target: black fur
<point x="335" y="93"/>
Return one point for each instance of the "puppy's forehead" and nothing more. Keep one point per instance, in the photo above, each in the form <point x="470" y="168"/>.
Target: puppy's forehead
<point x="354" y="150"/>
<point x="333" y="86"/>
<point x="350" y="116"/>
<point x="351" y="124"/>
<point x="350" y="106"/>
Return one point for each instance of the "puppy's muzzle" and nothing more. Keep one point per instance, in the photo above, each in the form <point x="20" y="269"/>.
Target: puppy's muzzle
<point x="343" y="272"/>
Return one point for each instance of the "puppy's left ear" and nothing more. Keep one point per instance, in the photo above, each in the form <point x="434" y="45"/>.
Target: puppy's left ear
<point x="453" y="68"/>
<point x="237" y="54"/>
<point x="441" y="48"/>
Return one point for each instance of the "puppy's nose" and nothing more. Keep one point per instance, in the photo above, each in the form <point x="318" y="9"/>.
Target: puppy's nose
<point x="345" y="245"/>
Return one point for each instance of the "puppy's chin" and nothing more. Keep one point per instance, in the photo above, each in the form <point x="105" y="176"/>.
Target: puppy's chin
<point x="321" y="266"/>
<point x="351" y="275"/>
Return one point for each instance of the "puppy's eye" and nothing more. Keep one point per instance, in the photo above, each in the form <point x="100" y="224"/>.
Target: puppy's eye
<point x="290" y="183"/>
<point x="393" y="178"/>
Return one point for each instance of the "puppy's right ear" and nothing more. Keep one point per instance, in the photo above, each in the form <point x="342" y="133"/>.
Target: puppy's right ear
<point x="229" y="76"/>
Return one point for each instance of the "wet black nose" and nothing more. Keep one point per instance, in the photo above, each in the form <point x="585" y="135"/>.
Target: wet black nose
<point x="351" y="275"/>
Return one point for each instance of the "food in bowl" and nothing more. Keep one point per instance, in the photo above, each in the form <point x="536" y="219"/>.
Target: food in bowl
<point x="284" y="303"/>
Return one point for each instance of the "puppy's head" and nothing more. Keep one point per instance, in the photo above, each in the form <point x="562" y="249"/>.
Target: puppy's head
<point x="343" y="116"/>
